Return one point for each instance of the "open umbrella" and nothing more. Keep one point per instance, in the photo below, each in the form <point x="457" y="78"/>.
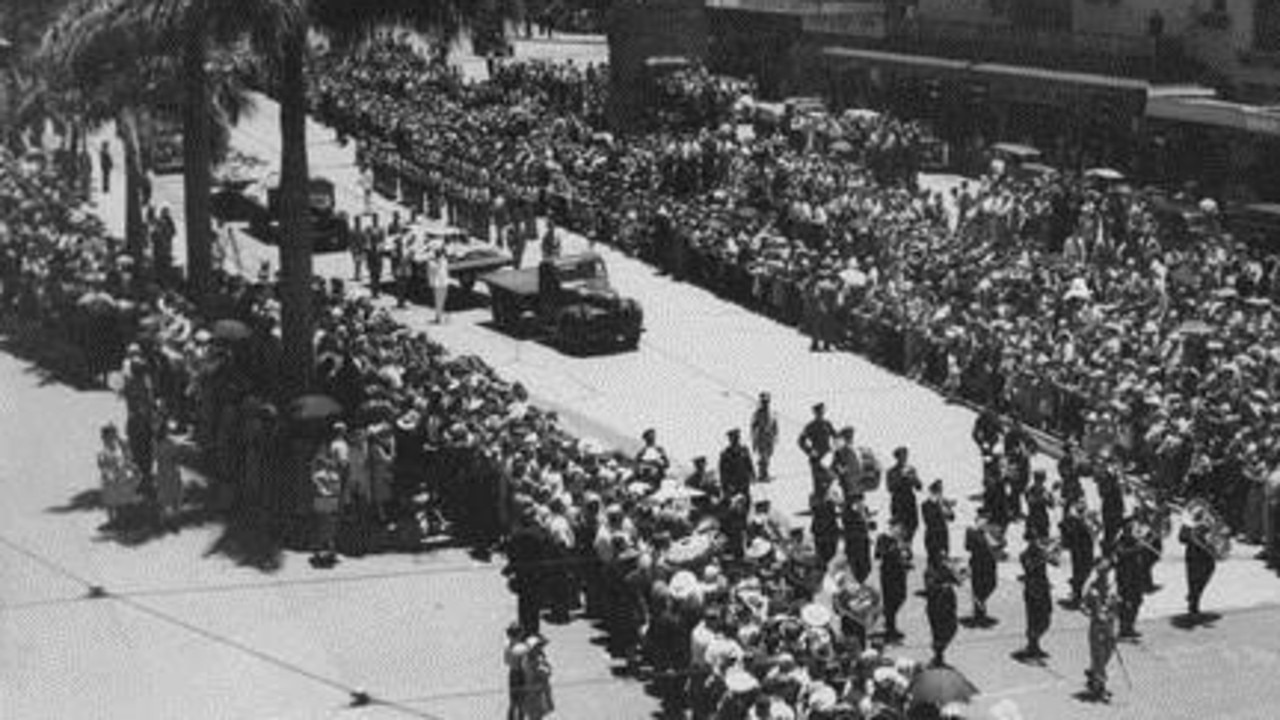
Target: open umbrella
<point x="314" y="407"/>
<point x="940" y="686"/>
<point x="1104" y="174"/>
<point x="1195" y="327"/>
<point x="231" y="330"/>
<point x="841" y="147"/>
<point x="97" y="301"/>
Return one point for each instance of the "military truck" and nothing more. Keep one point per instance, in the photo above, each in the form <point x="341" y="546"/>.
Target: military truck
<point x="571" y="299"/>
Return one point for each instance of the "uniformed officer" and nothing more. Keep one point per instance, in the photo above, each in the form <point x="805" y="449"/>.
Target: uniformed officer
<point x="825" y="522"/>
<point x="986" y="432"/>
<point x="1200" y="558"/>
<point x="995" y="505"/>
<point x="1112" y="498"/>
<point x="895" y="560"/>
<point x="815" y="443"/>
<point x="857" y="537"/>
<point x="983" y="574"/>
<point x="1130" y="580"/>
<point x="1078" y="540"/>
<point x="903" y="482"/>
<point x="940" y="605"/>
<point x="1102" y="606"/>
<point x="1037" y="597"/>
<point x="1039" y="501"/>
<point x="937" y="511"/>
<point x="1019" y="446"/>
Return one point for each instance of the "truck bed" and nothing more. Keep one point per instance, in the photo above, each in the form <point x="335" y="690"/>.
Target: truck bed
<point x="522" y="283"/>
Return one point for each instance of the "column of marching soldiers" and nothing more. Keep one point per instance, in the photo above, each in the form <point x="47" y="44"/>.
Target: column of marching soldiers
<point x="1111" y="551"/>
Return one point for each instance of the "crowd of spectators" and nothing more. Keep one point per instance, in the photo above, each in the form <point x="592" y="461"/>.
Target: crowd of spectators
<point x="1059" y="299"/>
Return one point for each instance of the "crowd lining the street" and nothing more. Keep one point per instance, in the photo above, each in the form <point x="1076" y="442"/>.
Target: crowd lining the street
<point x="989" y="293"/>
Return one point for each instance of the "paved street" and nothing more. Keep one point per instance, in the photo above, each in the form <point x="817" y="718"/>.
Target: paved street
<point x="192" y="634"/>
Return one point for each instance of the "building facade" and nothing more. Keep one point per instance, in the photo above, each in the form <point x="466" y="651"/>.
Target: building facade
<point x="1125" y="83"/>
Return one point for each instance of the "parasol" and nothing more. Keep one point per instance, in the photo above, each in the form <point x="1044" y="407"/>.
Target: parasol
<point x="1102" y="173"/>
<point x="940" y="686"/>
<point x="232" y="330"/>
<point x="97" y="301"/>
<point x="673" y="490"/>
<point x="690" y="551"/>
<point x="1195" y="327"/>
<point x="314" y="407"/>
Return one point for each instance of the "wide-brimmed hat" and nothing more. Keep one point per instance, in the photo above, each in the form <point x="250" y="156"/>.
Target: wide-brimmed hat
<point x="409" y="421"/>
<point x="815" y="615"/>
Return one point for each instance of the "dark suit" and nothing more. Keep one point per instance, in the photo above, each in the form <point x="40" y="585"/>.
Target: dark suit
<point x="527" y="549"/>
<point x="983" y="574"/>
<point x="893" y="579"/>
<point x="937" y="540"/>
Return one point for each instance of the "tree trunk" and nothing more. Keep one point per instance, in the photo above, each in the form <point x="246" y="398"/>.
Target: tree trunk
<point x="134" y="230"/>
<point x="196" y="151"/>
<point x="295" y="240"/>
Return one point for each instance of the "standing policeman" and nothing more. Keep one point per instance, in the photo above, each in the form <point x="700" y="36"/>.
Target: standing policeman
<point x="938" y="512"/>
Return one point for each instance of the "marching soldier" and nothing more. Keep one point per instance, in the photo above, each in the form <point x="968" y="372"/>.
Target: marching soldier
<point x="1078" y="537"/>
<point x="1112" y="496"/>
<point x="940" y="605"/>
<point x="1037" y="596"/>
<point x="986" y="432"/>
<point x="1130" y="580"/>
<point x="894" y="555"/>
<point x="857" y="537"/>
<point x="815" y="443"/>
<point x="825" y="522"/>
<point x="1070" y="468"/>
<point x="1102" y="606"/>
<point x="995" y="503"/>
<point x="903" y="483"/>
<point x="937" y="511"/>
<point x="1019" y="446"/>
<point x="1039" y="501"/>
<point x="982" y="568"/>
<point x="764" y="435"/>
<point x="1201" y="559"/>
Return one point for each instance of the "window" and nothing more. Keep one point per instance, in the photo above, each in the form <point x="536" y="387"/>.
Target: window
<point x="1266" y="26"/>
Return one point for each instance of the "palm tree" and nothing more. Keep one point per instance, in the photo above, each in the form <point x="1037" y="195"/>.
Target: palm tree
<point x="345" y="22"/>
<point x="117" y="57"/>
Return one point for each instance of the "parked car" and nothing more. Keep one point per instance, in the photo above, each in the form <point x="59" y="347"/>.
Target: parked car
<point x="581" y="310"/>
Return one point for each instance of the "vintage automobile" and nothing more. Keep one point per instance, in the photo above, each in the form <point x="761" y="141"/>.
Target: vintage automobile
<point x="469" y="257"/>
<point x="329" y="230"/>
<point x="572" y="299"/>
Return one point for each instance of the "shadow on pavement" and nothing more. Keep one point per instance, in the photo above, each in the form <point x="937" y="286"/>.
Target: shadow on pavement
<point x="81" y="502"/>
<point x="53" y="361"/>
<point x="249" y="541"/>
<point x="1188" y="621"/>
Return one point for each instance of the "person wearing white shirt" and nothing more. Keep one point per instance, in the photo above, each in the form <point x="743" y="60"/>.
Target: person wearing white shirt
<point x="438" y="280"/>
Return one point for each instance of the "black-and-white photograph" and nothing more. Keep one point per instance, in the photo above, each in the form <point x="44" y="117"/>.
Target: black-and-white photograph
<point x="640" y="359"/>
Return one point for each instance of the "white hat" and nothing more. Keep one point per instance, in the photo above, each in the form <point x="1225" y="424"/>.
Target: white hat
<point x="684" y="586"/>
<point x="815" y="615"/>
<point x="738" y="681"/>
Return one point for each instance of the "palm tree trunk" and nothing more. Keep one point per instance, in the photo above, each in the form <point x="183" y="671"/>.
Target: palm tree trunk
<point x="196" y="151"/>
<point x="295" y="241"/>
<point x="134" y="232"/>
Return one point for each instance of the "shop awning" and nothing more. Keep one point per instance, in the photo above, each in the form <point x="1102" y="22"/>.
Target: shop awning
<point x="1216" y="113"/>
<point x="1107" y="82"/>
<point x="882" y="59"/>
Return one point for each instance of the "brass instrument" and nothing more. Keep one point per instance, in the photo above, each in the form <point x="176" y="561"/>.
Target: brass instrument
<point x="1049" y="552"/>
<point x="1207" y="530"/>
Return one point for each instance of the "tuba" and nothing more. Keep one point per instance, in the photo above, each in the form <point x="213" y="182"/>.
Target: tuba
<point x="1211" y="533"/>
